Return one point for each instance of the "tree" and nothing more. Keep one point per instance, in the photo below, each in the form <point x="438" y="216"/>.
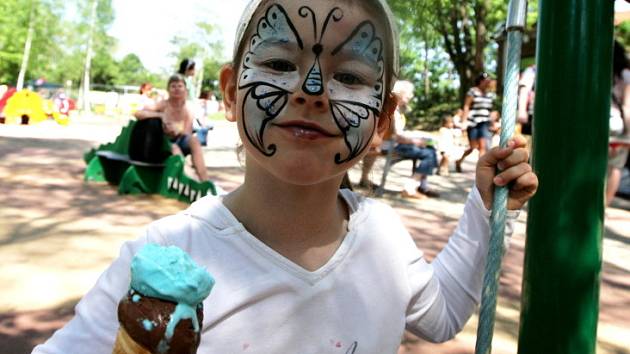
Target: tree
<point x="462" y="29"/>
<point x="14" y="23"/>
<point x="204" y="45"/>
<point x="99" y="15"/>
<point x="58" y="48"/>
<point x="446" y="43"/>
<point x="131" y="71"/>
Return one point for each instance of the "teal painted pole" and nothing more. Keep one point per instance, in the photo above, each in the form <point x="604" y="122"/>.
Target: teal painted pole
<point x="563" y="253"/>
<point x="514" y="26"/>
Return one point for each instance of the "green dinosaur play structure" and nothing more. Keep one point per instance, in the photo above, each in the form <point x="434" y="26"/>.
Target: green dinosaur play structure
<point x="139" y="161"/>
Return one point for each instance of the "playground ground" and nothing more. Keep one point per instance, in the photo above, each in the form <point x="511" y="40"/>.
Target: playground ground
<point x="57" y="234"/>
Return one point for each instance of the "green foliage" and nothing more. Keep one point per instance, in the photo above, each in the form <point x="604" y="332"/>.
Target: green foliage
<point x="622" y="34"/>
<point x="131" y="71"/>
<point x="14" y="23"/>
<point x="58" y="50"/>
<point x="104" y="69"/>
<point x="431" y="116"/>
<point x="206" y="46"/>
<point x="211" y="68"/>
<point x="444" y="44"/>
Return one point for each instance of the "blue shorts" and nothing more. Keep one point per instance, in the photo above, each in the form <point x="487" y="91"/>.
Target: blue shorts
<point x="479" y="131"/>
<point x="183" y="141"/>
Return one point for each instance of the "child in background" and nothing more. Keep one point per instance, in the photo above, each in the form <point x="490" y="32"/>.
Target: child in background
<point x="446" y="144"/>
<point x="177" y="120"/>
<point x="146" y="92"/>
<point x="301" y="266"/>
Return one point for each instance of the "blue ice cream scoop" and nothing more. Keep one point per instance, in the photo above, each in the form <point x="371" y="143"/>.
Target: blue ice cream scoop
<point x="168" y="273"/>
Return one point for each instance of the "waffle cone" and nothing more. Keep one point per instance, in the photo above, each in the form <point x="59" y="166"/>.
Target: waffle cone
<point x="125" y="345"/>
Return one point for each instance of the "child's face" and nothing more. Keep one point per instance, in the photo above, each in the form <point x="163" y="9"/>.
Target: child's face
<point x="177" y="89"/>
<point x="310" y="87"/>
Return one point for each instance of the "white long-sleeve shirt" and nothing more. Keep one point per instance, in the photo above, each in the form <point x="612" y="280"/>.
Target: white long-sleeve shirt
<point x="376" y="284"/>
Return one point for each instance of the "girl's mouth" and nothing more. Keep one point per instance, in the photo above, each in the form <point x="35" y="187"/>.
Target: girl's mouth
<point x="305" y="130"/>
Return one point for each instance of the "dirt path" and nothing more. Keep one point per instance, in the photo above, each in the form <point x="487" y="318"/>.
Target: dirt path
<point x="58" y="233"/>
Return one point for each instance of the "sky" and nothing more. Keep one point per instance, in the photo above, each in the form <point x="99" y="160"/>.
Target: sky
<point x="145" y="27"/>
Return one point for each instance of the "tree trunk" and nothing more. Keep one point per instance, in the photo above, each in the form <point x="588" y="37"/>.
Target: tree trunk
<point x="465" y="49"/>
<point x="425" y="74"/>
<point x="85" y="89"/>
<point x="481" y="10"/>
<point x="465" y="82"/>
<point x="27" y="47"/>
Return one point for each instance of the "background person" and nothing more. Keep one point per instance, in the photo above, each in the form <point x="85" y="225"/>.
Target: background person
<point x="526" y="100"/>
<point x="187" y="70"/>
<point x="619" y="121"/>
<point x="477" y="108"/>
<point x="414" y="145"/>
<point x="200" y="125"/>
<point x="146" y="94"/>
<point x="407" y="144"/>
<point x="177" y="122"/>
<point x="446" y="144"/>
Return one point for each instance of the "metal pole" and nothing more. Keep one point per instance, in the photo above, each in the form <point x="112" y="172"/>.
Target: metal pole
<point x="515" y="25"/>
<point x="563" y="253"/>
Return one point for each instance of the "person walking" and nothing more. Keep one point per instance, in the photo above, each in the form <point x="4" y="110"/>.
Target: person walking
<point x="477" y="108"/>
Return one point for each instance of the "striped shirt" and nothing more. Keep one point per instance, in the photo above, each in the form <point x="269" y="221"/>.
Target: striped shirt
<point x="481" y="106"/>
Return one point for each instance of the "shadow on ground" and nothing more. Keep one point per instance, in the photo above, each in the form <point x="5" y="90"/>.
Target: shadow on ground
<point x="21" y="331"/>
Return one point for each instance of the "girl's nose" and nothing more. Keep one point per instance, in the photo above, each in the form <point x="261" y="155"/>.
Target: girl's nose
<point x="316" y="102"/>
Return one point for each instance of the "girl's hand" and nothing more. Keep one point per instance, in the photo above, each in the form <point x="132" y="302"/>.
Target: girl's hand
<point x="515" y="172"/>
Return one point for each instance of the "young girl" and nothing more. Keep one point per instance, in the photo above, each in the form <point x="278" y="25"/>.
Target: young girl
<point x="446" y="144"/>
<point x="300" y="266"/>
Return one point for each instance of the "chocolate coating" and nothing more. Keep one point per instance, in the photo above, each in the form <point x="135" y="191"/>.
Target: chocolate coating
<point x="131" y="315"/>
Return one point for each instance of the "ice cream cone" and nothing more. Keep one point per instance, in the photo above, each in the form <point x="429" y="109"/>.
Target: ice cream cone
<point x="125" y="345"/>
<point x="163" y="311"/>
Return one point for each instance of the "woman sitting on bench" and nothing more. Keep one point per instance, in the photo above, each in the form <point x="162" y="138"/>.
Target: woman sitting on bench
<point x="408" y="144"/>
<point x="177" y="120"/>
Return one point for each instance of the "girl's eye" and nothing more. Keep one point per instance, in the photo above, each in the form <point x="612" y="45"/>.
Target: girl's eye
<point x="280" y="65"/>
<point x="348" y="79"/>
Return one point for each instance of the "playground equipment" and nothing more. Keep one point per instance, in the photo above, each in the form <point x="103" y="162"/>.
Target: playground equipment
<point x="25" y="107"/>
<point x="28" y="107"/>
<point x="139" y="161"/>
<point x="559" y="304"/>
<point x="563" y="254"/>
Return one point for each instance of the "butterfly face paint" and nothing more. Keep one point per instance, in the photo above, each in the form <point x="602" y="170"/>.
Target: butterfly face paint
<point x="267" y="92"/>
<point x="313" y="85"/>
<point x="357" y="114"/>
<point x="342" y="65"/>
